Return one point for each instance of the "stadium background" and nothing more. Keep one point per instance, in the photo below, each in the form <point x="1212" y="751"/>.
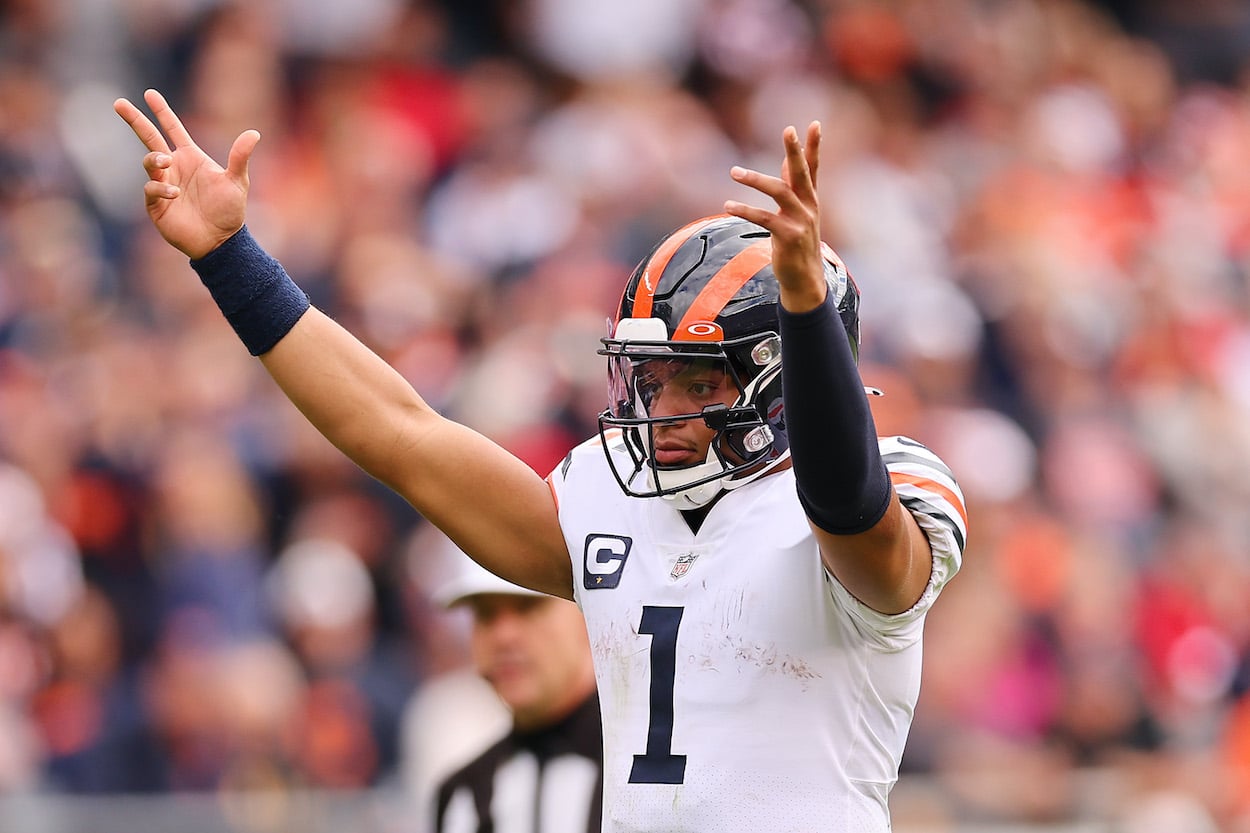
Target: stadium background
<point x="210" y="621"/>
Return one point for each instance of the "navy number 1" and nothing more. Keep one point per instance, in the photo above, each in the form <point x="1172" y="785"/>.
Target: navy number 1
<point x="659" y="765"/>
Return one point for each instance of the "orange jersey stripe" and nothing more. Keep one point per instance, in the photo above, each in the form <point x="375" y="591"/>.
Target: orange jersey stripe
<point x="659" y="262"/>
<point x="552" y="486"/>
<point x="610" y="434"/>
<point x="723" y="286"/>
<point x="935" y="487"/>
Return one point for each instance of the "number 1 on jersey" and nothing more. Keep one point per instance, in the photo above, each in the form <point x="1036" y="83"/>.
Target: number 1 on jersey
<point x="659" y="765"/>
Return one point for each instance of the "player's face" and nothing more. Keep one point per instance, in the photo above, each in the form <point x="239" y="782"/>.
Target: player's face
<point x="682" y="387"/>
<point x="534" y="652"/>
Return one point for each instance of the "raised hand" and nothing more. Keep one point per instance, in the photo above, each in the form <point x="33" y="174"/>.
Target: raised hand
<point x="795" y="224"/>
<point x="194" y="202"/>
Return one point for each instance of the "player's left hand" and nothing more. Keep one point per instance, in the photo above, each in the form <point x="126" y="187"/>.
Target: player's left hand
<point x="795" y="225"/>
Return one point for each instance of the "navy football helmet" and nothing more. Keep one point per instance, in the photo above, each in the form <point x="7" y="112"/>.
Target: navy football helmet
<point x="706" y="296"/>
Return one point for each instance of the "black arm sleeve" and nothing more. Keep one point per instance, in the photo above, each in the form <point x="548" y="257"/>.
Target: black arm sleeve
<point x="842" y="481"/>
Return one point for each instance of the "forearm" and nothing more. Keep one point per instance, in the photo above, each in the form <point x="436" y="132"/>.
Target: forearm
<point x="488" y="501"/>
<point x="346" y="391"/>
<point x="350" y="395"/>
<point x="842" y="481"/>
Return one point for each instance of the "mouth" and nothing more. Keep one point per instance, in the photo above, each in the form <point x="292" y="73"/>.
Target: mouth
<point x="673" y="456"/>
<point x="504" y="672"/>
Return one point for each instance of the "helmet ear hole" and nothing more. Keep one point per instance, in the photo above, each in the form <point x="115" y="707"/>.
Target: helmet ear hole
<point x="748" y="444"/>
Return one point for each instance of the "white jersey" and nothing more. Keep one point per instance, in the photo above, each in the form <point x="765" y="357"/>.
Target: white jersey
<point x="742" y="687"/>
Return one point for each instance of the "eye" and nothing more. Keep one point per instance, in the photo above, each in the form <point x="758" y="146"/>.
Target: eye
<point x="707" y="385"/>
<point x="647" y="385"/>
<point x="703" y="390"/>
<point x="647" y="390"/>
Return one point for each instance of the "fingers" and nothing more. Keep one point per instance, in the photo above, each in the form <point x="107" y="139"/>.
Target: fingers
<point x="147" y="131"/>
<point x="240" y="153"/>
<point x="157" y="164"/>
<point x="798" y="173"/>
<point x="797" y="183"/>
<point x="772" y="186"/>
<point x="759" y="216"/>
<point x="168" y="120"/>
<point x="141" y="125"/>
<point x="155" y="191"/>
<point x="812" y="151"/>
<point x="793" y="191"/>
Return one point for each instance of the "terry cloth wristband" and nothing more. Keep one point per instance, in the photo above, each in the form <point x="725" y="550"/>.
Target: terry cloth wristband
<point x="842" y="481"/>
<point x="255" y="293"/>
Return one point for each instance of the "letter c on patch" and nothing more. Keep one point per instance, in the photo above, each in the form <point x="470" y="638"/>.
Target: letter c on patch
<point x="603" y="560"/>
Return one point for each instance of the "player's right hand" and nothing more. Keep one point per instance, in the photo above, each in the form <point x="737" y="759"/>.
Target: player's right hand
<point x="194" y="203"/>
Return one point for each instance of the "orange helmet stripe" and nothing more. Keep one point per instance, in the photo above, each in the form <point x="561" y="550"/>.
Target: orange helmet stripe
<point x="645" y="295"/>
<point x="721" y="288"/>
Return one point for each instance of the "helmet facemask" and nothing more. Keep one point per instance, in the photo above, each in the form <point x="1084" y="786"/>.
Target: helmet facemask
<point x="706" y="292"/>
<point x="731" y="387"/>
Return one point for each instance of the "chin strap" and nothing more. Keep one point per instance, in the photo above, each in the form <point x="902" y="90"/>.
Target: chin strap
<point x="729" y="484"/>
<point x="701" y="495"/>
<point x="694" y="496"/>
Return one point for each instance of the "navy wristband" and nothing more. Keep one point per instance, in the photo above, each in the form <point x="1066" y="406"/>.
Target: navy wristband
<point x="253" y="291"/>
<point x="843" y="483"/>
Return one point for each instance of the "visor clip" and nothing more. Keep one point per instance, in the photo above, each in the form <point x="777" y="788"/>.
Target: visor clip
<point x="716" y="416"/>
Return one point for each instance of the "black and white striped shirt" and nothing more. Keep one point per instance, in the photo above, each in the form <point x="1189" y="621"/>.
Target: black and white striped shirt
<point x="546" y="781"/>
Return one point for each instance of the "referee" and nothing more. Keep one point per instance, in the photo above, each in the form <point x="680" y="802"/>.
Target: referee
<point x="545" y="775"/>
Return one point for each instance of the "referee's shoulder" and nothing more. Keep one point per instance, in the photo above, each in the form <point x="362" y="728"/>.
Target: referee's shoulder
<point x="478" y="772"/>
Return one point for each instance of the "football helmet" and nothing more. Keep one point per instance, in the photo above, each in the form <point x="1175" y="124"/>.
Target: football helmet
<point x="700" y="311"/>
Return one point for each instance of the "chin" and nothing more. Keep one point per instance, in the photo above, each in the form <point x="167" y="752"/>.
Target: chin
<point x="517" y="696"/>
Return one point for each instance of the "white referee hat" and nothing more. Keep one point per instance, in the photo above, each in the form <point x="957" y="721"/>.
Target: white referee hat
<point x="471" y="579"/>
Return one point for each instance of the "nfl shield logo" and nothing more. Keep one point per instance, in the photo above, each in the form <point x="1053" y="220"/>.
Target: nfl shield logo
<point x="682" y="565"/>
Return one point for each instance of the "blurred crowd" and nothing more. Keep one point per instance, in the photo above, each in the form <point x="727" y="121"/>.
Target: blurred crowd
<point x="1045" y="203"/>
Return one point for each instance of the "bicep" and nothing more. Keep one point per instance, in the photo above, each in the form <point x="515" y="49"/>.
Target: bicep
<point x="886" y="567"/>
<point x="490" y="503"/>
<point x="494" y="506"/>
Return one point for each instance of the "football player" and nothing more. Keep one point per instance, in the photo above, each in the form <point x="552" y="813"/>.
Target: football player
<point x="754" y="564"/>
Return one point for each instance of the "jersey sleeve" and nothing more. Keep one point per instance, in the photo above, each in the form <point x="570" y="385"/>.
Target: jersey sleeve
<point x="927" y="489"/>
<point x="586" y="455"/>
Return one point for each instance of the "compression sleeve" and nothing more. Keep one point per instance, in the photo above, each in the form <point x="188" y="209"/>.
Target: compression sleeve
<point x="843" y="484"/>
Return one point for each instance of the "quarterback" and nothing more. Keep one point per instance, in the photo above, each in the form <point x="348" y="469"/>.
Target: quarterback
<point x="753" y="562"/>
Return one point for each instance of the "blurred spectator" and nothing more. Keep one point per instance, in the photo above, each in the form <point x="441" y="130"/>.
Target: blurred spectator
<point x="359" y="680"/>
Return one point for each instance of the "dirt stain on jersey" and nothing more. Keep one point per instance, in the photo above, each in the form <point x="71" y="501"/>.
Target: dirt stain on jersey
<point x="767" y="657"/>
<point x="726" y="652"/>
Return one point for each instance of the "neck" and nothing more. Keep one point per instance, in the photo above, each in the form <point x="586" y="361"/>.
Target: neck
<point x="528" y="722"/>
<point x="695" y="517"/>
